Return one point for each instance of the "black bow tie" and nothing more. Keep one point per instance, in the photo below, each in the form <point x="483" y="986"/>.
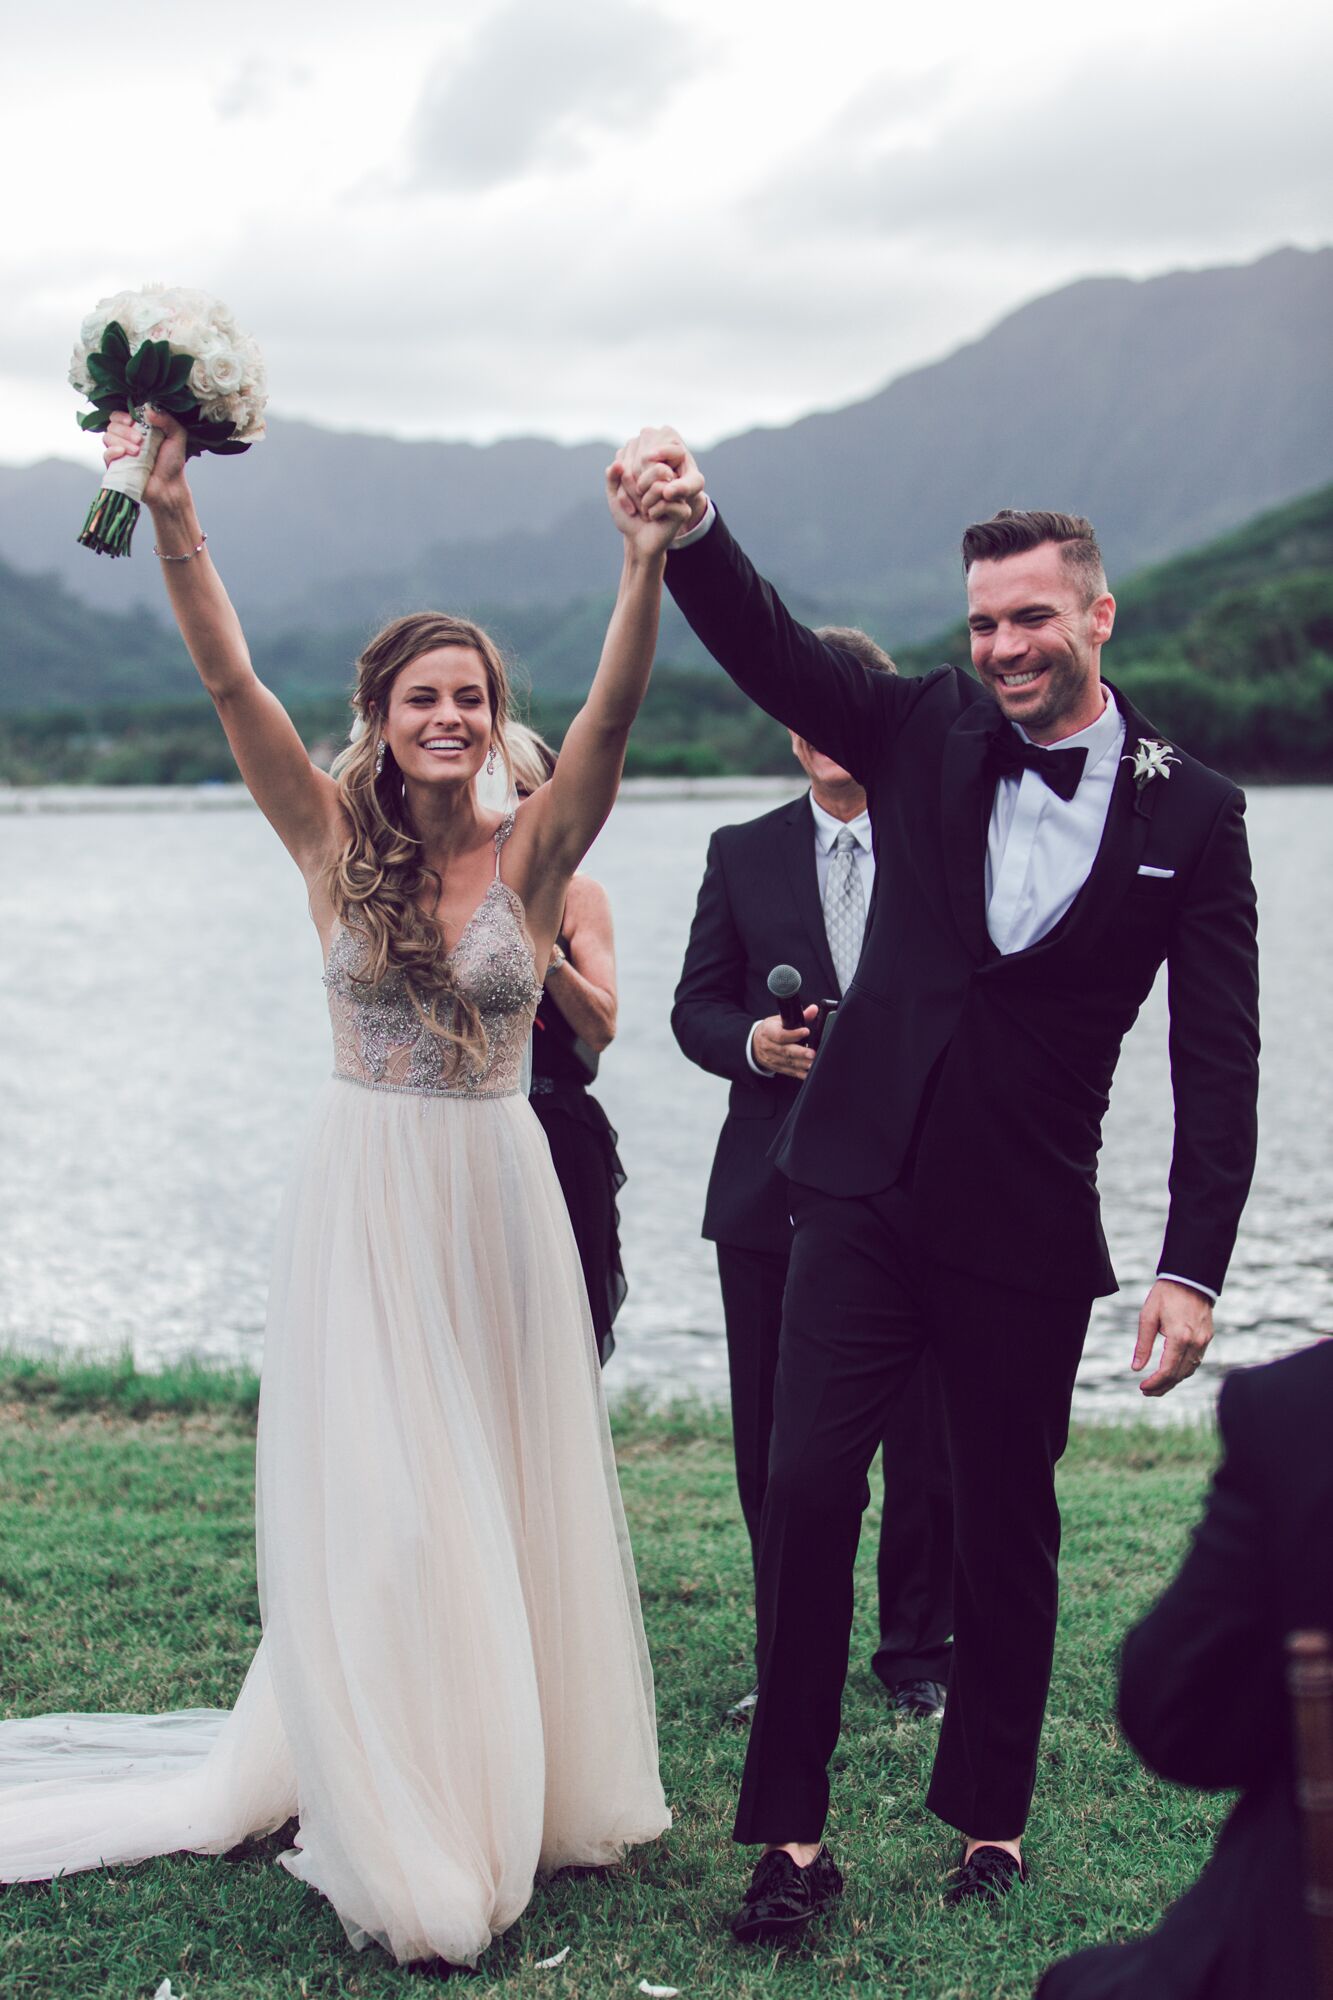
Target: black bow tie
<point x="1011" y="754"/>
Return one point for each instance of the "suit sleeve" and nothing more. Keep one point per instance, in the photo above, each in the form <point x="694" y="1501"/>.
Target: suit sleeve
<point x="822" y="693"/>
<point x="1202" y="1695"/>
<point x="1213" y="990"/>
<point x="709" y="1019"/>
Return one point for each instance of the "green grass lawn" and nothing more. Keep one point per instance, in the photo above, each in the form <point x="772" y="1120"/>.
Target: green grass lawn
<point x="127" y="1581"/>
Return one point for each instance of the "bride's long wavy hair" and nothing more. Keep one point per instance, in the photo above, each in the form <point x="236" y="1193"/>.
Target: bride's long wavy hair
<point x="377" y="881"/>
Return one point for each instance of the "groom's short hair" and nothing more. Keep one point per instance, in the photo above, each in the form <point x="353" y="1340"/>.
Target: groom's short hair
<point x="1015" y="530"/>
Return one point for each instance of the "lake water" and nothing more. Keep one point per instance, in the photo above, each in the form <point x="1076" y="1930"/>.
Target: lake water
<point x="162" y="1029"/>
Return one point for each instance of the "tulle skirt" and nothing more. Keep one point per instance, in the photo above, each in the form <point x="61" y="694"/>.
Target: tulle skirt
<point x="452" y="1689"/>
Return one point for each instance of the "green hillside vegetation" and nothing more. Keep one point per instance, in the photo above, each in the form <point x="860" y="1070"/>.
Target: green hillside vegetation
<point x="1228" y="649"/>
<point x="53" y="642"/>
<point x="692" y="725"/>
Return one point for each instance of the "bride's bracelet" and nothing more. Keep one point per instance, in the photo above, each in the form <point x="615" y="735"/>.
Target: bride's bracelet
<point x="189" y="555"/>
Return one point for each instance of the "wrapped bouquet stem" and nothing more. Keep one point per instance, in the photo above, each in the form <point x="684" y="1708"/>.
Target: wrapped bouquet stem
<point x="109" y="527"/>
<point x="168" y="349"/>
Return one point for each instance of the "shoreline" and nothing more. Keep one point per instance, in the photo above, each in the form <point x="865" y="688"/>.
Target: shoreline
<point x="17" y="800"/>
<point x="37" y="1387"/>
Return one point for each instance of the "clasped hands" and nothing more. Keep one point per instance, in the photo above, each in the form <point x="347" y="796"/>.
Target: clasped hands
<point x="653" y="477"/>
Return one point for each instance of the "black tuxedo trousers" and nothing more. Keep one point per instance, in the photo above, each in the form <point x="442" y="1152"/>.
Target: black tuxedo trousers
<point x="915" y="1561"/>
<point x="864" y="1302"/>
<point x="759" y="906"/>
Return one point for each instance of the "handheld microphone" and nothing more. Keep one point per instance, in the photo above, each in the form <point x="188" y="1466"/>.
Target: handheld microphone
<point x="784" y="983"/>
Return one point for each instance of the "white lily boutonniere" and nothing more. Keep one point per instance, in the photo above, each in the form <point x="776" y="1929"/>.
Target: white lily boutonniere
<point x="1151" y="759"/>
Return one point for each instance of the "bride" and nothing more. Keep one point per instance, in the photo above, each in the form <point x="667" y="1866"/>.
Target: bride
<point x="452" y="1689"/>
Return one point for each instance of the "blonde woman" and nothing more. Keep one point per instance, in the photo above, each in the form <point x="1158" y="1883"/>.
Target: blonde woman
<point x="452" y="1690"/>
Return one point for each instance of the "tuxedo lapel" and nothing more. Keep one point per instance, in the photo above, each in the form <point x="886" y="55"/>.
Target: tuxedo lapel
<point x="1124" y="837"/>
<point x="966" y="795"/>
<point x="798" y="854"/>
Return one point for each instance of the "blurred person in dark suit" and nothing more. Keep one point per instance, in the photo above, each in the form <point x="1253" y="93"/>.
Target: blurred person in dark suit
<point x="576" y="1022"/>
<point x="795" y="886"/>
<point x="1203" y="1700"/>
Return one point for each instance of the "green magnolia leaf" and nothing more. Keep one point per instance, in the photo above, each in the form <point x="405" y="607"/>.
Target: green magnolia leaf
<point x="108" y="373"/>
<point x="110" y="399"/>
<point x="228" y="449"/>
<point x="177" y="372"/>
<point x="178" y="401"/>
<point x="146" y="368"/>
<point x="115" y="341"/>
<point x="94" y="420"/>
<point x="210" y="434"/>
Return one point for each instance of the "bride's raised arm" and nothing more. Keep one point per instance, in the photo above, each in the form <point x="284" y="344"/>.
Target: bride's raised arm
<point x="566" y="814"/>
<point x="300" y="802"/>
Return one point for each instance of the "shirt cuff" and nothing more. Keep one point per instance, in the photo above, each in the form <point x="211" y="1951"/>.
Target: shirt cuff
<point x="749" y="1048"/>
<point x="1193" y="1284"/>
<point x="696" y="534"/>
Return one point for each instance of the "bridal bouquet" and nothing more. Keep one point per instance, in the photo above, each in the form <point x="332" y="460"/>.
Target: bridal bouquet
<point x="169" y="349"/>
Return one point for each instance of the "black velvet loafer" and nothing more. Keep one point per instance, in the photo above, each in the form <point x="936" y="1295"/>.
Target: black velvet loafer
<point x="991" y="1873"/>
<point x="782" y="1898"/>
<point x="921" y="1700"/>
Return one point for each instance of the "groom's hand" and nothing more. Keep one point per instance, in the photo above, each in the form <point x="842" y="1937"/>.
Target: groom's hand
<point x="1184" y="1318"/>
<point x="656" y="469"/>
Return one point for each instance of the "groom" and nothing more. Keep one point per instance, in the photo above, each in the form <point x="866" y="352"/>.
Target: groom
<point x="1040" y="853"/>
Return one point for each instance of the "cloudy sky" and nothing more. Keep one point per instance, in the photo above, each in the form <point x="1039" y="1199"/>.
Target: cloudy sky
<point x="572" y="216"/>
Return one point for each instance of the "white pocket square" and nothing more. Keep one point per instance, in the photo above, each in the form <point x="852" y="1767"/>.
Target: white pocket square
<point x="1159" y="874"/>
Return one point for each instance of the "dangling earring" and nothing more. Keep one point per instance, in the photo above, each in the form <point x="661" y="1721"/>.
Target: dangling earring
<point x="490" y="763"/>
<point x="379" y="757"/>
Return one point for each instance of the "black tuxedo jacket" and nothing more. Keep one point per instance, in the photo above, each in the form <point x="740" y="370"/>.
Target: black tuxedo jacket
<point x="988" y="1076"/>
<point x="758" y="907"/>
<point x="1203" y="1698"/>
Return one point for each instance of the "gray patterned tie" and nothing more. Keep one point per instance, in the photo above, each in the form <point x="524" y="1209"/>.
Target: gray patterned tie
<point x="844" y="908"/>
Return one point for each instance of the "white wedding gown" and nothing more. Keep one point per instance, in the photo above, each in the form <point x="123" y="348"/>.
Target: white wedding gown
<point x="452" y="1690"/>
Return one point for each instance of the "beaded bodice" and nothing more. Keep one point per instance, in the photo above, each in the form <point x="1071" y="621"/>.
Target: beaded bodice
<point x="380" y="1040"/>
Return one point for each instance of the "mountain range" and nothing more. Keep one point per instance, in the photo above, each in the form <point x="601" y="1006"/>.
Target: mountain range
<point x="1169" y="410"/>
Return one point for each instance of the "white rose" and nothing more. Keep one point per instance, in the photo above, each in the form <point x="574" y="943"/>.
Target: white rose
<point x="216" y="372"/>
<point x="256" y="374"/>
<point x="201" y="375"/>
<point x="187" y="336"/>
<point x="119" y="307"/>
<point x="222" y="411"/>
<point x="248" y="416"/>
<point x="227" y="370"/>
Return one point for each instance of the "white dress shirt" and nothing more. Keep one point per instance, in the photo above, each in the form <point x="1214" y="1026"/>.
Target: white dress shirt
<point x="1040" y="847"/>
<point x="827" y="829"/>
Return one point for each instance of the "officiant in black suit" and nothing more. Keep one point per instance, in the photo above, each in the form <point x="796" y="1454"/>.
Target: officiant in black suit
<point x="794" y="886"/>
<point x="1041" y="852"/>
<point x="1203" y="1700"/>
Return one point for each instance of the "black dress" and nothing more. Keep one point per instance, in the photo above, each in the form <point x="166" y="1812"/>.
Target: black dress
<point x="583" y="1150"/>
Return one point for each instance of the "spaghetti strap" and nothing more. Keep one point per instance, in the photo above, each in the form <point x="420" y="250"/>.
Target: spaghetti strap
<point x="502" y="833"/>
